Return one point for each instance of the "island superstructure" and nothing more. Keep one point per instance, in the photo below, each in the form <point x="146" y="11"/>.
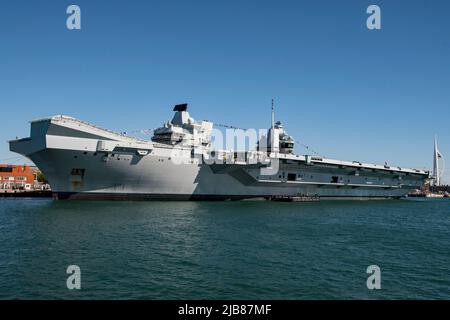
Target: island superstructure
<point x="83" y="161"/>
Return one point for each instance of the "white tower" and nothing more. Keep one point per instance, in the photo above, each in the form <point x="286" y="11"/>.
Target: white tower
<point x="437" y="170"/>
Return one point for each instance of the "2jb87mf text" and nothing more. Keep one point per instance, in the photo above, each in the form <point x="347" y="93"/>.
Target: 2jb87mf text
<point x="245" y="309"/>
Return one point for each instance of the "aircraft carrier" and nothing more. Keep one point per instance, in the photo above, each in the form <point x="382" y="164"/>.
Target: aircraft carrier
<point x="83" y="161"/>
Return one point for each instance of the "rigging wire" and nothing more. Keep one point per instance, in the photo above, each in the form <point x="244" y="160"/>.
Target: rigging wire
<point x="228" y="126"/>
<point x="150" y="131"/>
<point x="296" y="141"/>
<point x="309" y="148"/>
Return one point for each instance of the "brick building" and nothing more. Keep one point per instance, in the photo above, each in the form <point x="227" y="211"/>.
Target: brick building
<point x="17" y="176"/>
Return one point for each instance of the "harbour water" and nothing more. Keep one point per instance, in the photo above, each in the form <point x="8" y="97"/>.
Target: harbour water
<point x="224" y="250"/>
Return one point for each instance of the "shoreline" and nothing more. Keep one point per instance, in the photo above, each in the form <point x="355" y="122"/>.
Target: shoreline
<point x="27" y="194"/>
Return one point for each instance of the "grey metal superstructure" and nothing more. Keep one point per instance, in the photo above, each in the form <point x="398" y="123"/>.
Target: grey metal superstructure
<point x="83" y="161"/>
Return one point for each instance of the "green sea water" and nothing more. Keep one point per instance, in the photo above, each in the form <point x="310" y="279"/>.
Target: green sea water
<point x="224" y="250"/>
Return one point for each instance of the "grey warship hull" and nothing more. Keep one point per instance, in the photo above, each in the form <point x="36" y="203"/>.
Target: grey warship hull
<point x="82" y="161"/>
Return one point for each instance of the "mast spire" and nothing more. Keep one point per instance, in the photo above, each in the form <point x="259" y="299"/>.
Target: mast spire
<point x="273" y="113"/>
<point x="436" y="156"/>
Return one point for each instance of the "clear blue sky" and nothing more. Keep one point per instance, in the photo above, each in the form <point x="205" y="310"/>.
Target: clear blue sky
<point x="348" y="92"/>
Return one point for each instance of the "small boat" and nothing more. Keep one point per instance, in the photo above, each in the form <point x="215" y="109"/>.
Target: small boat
<point x="427" y="197"/>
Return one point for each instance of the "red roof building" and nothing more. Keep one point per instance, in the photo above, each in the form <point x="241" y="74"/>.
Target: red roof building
<point x="17" y="176"/>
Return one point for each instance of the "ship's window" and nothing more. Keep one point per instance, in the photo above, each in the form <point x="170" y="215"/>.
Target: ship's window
<point x="279" y="176"/>
<point x="95" y="153"/>
<point x="85" y="152"/>
<point x="334" y="179"/>
<point x="77" y="172"/>
<point x="286" y="145"/>
<point x="75" y="157"/>
<point x="291" y="177"/>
